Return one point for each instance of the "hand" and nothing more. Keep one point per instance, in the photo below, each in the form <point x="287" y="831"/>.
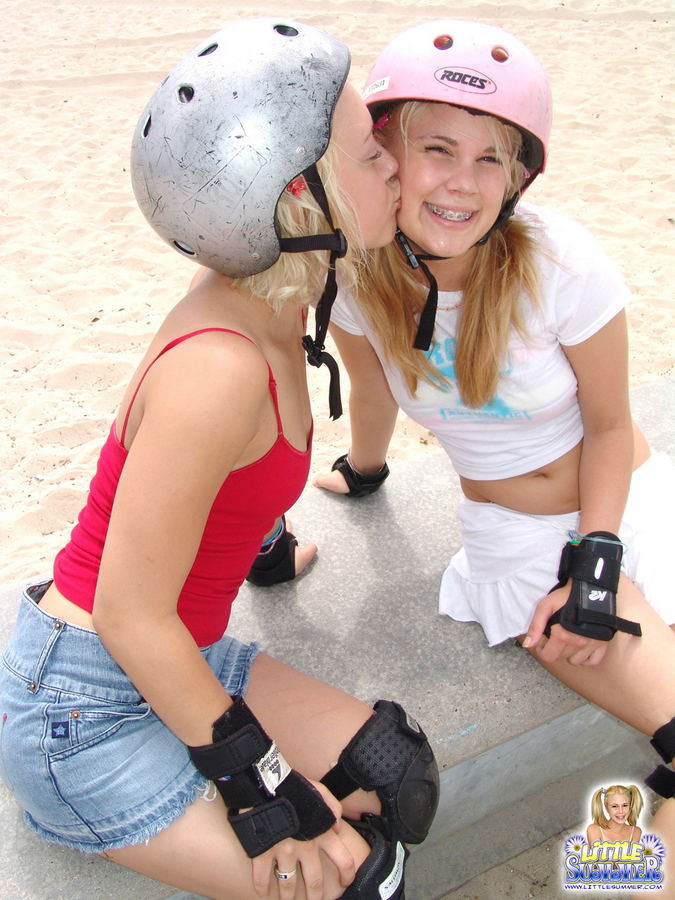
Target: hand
<point x="305" y="859"/>
<point x="332" y="481"/>
<point x="573" y="648"/>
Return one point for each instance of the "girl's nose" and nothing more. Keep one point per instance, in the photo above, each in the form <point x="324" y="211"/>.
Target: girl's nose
<point x="389" y="163"/>
<point x="461" y="177"/>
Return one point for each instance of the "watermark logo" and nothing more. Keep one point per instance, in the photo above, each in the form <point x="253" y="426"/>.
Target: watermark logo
<point x="613" y="865"/>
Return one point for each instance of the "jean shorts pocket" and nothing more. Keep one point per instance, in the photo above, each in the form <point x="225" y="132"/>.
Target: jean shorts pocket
<point x="113" y="764"/>
<point x="75" y="726"/>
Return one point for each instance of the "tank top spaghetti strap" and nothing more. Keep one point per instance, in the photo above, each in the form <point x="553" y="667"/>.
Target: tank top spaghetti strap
<point x="180" y="340"/>
<point x="244" y="510"/>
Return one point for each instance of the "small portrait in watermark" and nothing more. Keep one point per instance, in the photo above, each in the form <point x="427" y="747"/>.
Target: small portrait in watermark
<point x="614" y="854"/>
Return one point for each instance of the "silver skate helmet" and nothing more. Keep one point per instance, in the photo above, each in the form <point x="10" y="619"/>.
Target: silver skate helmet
<point x="241" y="116"/>
<point x="232" y="124"/>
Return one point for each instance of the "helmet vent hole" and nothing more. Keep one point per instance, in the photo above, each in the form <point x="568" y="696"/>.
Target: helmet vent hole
<point x="184" y="248"/>
<point x="286" y="30"/>
<point x="185" y="93"/>
<point x="208" y="50"/>
<point x="443" y="42"/>
<point x="147" y="126"/>
<point x="500" y="54"/>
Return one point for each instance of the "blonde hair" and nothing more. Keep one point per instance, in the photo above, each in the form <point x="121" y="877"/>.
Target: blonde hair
<point x="503" y="269"/>
<point x="300" y="277"/>
<point x="599" y="808"/>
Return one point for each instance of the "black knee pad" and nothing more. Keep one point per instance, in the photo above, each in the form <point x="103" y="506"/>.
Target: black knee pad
<point x="391" y="755"/>
<point x="382" y="873"/>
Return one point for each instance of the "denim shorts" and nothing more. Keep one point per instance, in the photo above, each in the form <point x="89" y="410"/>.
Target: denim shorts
<point x="84" y="755"/>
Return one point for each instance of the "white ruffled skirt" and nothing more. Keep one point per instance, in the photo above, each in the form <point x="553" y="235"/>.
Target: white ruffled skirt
<point x="509" y="560"/>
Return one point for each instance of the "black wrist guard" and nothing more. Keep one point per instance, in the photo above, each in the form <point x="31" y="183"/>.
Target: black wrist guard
<point x="275" y="563"/>
<point x="359" y="485"/>
<point x="249" y="771"/>
<point x="594" y="565"/>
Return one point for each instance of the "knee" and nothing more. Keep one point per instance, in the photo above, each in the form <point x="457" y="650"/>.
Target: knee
<point x="391" y="755"/>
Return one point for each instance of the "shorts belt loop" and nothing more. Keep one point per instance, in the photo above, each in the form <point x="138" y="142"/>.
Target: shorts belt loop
<point x="57" y="627"/>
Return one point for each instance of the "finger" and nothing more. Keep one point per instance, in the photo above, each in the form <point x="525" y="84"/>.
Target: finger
<point x="312" y="876"/>
<point x="331" y="801"/>
<point x="304" y="556"/>
<point x="552" y="648"/>
<point x="338" y="853"/>
<point x="286" y="870"/>
<point x="262" y="874"/>
<point x="579" y="657"/>
<point x="332" y="481"/>
<point x="543" y="612"/>
<point x="596" y="656"/>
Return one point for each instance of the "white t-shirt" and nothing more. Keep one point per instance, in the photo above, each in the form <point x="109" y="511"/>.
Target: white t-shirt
<point x="534" y="416"/>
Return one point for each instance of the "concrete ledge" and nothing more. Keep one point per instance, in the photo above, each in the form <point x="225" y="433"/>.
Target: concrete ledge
<point x="518" y="750"/>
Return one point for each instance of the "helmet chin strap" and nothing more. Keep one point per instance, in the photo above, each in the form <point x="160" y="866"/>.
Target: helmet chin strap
<point x="336" y="243"/>
<point x="425" y="327"/>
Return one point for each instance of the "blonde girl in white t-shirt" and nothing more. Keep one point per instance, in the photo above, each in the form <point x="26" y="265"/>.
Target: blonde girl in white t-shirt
<point x="524" y="381"/>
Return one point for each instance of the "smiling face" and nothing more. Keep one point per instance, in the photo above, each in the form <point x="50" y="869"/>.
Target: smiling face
<point x="618" y="808"/>
<point x="453" y="177"/>
<point x="365" y="170"/>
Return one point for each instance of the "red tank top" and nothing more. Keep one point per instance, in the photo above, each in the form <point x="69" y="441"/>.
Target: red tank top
<point x="243" y="512"/>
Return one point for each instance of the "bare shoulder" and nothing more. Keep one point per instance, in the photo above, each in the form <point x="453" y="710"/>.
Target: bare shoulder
<point x="593" y="833"/>
<point x="213" y="369"/>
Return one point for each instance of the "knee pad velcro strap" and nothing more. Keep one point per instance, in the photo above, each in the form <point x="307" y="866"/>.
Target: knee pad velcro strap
<point x="391" y="755"/>
<point x="594" y="565"/>
<point x="663" y="741"/>
<point x="249" y="771"/>
<point x="275" y="563"/>
<point x="381" y="874"/>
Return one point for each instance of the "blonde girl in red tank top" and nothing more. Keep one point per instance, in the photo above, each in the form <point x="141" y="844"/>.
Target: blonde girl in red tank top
<point x="126" y="661"/>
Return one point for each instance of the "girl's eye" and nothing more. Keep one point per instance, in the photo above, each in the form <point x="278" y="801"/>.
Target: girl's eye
<point x="491" y="159"/>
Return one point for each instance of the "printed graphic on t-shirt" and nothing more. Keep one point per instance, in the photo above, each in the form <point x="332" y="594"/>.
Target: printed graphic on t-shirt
<point x="442" y="354"/>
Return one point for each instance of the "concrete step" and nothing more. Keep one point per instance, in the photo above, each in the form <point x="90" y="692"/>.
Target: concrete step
<point x="518" y="750"/>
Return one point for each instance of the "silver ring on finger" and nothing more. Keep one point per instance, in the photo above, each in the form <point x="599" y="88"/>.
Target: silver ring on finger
<point x="284" y="876"/>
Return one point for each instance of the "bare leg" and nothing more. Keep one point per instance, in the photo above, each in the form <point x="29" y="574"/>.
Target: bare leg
<point x="200" y="853"/>
<point x="311" y="722"/>
<point x="634" y="682"/>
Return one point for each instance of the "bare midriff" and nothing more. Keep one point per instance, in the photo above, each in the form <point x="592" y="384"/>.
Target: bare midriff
<point x="551" y="490"/>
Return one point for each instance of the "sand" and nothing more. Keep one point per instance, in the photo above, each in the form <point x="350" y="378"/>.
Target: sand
<point x="85" y="281"/>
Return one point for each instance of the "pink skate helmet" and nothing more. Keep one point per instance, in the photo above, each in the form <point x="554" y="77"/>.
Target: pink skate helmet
<point x="477" y="67"/>
<point x="472" y="65"/>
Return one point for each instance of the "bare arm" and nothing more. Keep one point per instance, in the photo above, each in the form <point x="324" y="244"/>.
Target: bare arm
<point x="372" y="409"/>
<point x="600" y="365"/>
<point x="188" y="440"/>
